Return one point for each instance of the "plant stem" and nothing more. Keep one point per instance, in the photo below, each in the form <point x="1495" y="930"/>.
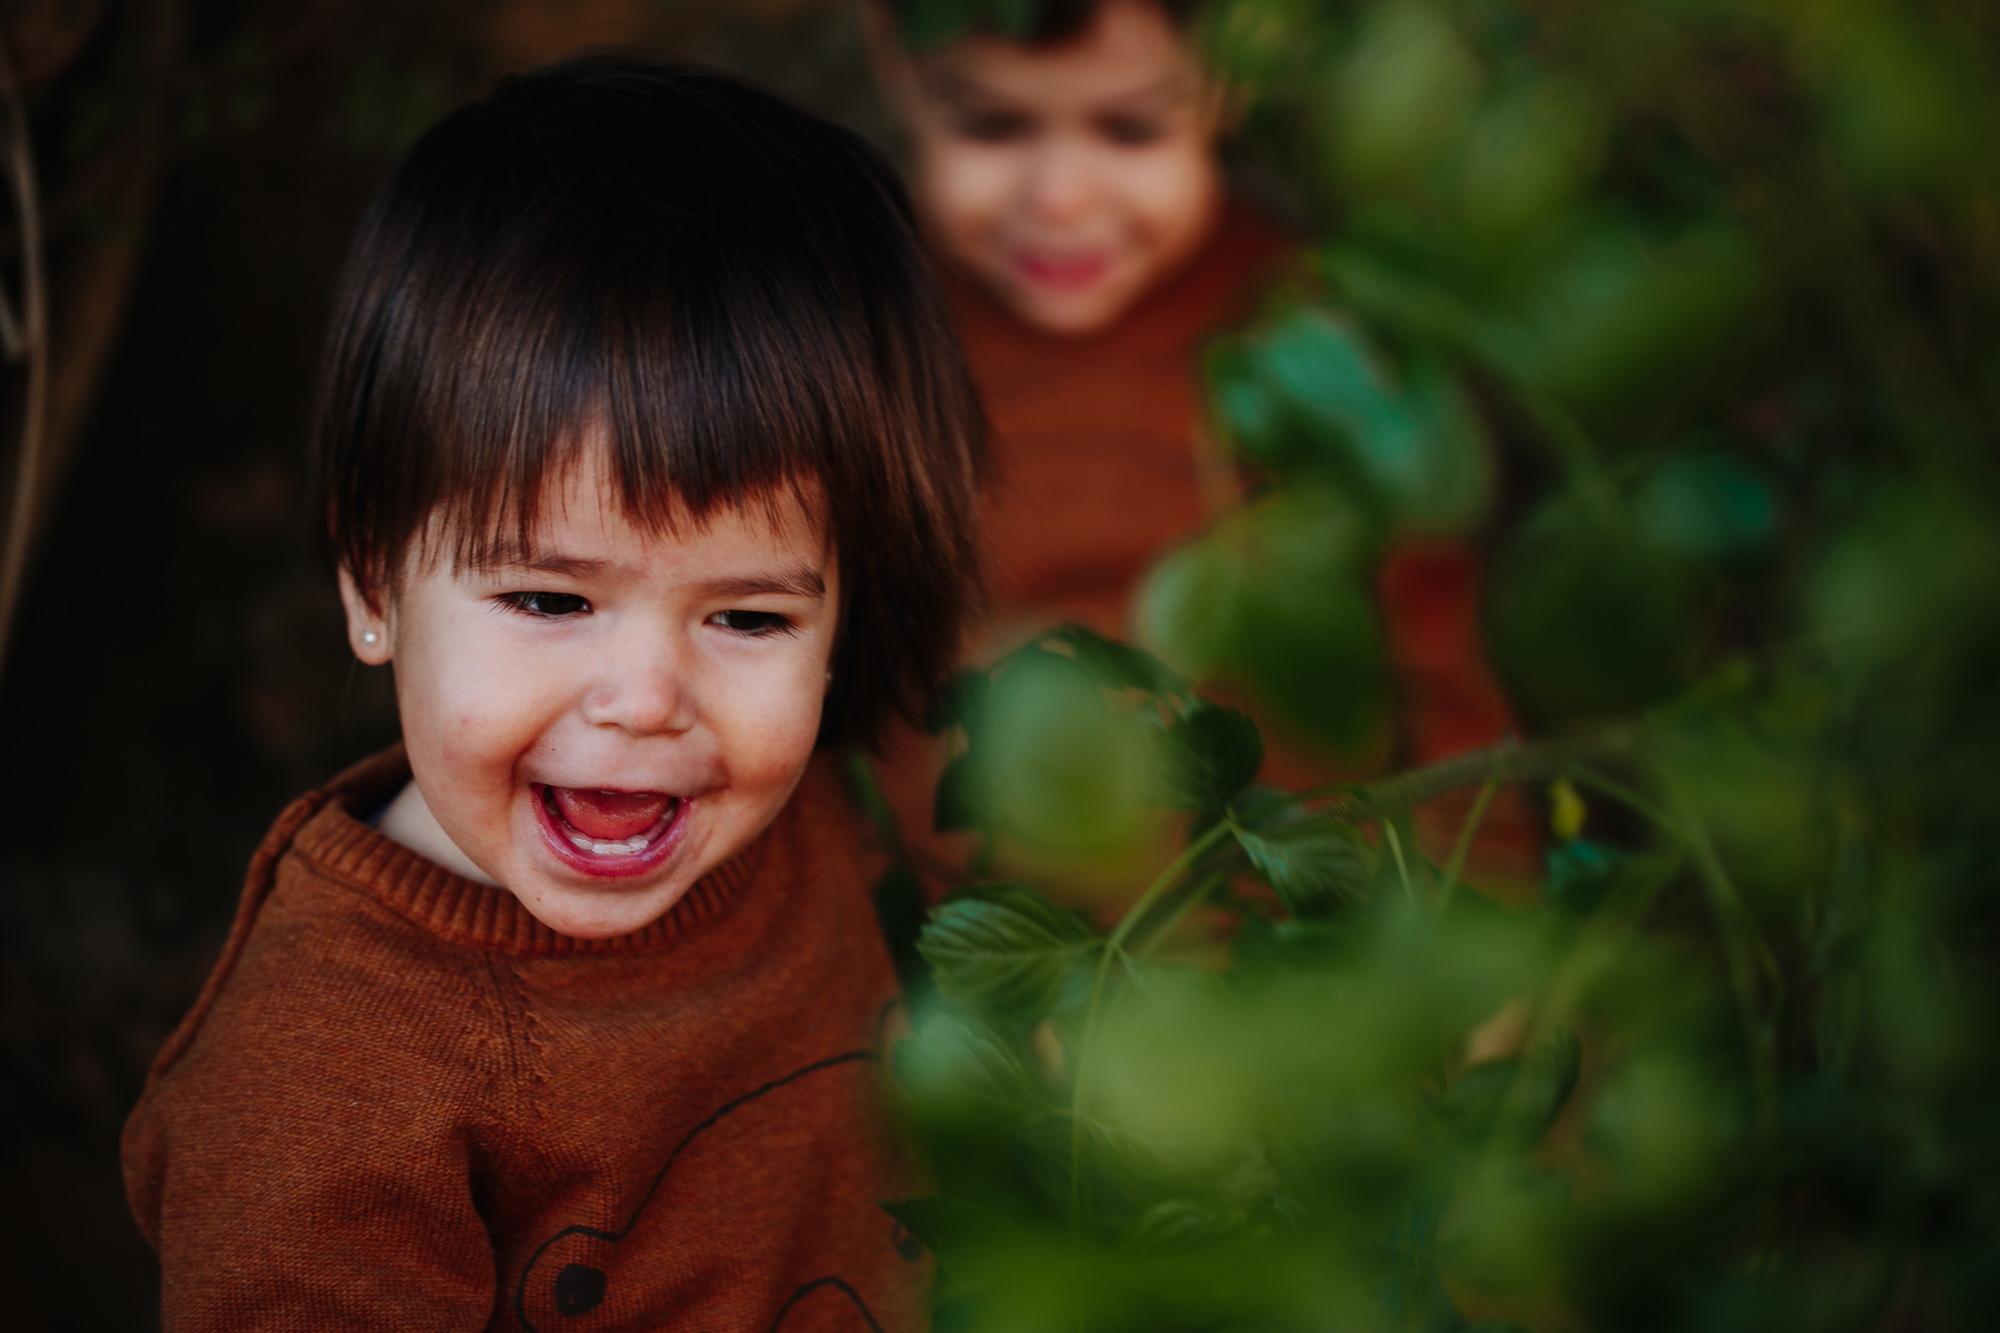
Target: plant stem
<point x="31" y="338"/>
<point x="1625" y="795"/>
<point x="1510" y="762"/>
<point x="1114" y="948"/>
<point x="1463" y="848"/>
<point x="1402" y="866"/>
<point x="1742" y="941"/>
<point x="1187" y="903"/>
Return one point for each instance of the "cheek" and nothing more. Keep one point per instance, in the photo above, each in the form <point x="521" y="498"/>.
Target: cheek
<point x="1173" y="193"/>
<point x="966" y="190"/>
<point x="461" y="713"/>
<point x="768" y="728"/>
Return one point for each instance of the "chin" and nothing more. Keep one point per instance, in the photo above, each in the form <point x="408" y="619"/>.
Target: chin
<point x="602" y="913"/>
<point x="1067" y="318"/>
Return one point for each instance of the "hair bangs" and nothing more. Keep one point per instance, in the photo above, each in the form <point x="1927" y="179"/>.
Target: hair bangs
<point x="724" y="294"/>
<point x="699" y="395"/>
<point x="1039" y="23"/>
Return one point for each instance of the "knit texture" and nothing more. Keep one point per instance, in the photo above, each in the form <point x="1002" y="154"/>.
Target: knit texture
<point x="1097" y="441"/>
<point x="402" y="1102"/>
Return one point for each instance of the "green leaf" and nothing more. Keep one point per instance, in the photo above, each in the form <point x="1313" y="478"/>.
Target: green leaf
<point x="1250" y="408"/>
<point x="1187" y="609"/>
<point x="958" y="1068"/>
<point x="1508" y="1230"/>
<point x="1553" y="1066"/>
<point x="964" y="798"/>
<point x="1587" y="617"/>
<point x="1711" y="508"/>
<point x="1176" y="1226"/>
<point x="1208" y="756"/>
<point x="958" y="704"/>
<point x="1515" y="1099"/>
<point x="930" y="1218"/>
<point x="1277" y="599"/>
<point x="1911" y="569"/>
<point x="1070" y="763"/>
<point x="899" y="911"/>
<point x="1312" y="649"/>
<point x="1470" y="1106"/>
<point x="1316" y="866"/>
<point x="1308" y="389"/>
<point x="1623" y="324"/>
<point x="1407" y="85"/>
<point x="1116" y="665"/>
<point x="1003" y="950"/>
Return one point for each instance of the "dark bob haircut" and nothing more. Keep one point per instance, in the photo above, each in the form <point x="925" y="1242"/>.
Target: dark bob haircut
<point x="1034" y="22"/>
<point x="728" y="290"/>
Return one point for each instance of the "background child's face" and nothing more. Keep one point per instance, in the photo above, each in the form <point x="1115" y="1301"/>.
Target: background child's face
<point x="1069" y="179"/>
<point x="600" y="722"/>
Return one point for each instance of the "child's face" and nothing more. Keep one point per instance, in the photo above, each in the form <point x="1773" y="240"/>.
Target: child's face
<point x="1069" y="179"/>
<point x="604" y="719"/>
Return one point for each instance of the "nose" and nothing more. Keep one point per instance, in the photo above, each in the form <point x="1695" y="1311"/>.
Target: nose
<point x="641" y="687"/>
<point x="1060" y="181"/>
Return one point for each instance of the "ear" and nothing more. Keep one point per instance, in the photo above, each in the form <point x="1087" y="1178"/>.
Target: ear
<point x="367" y="627"/>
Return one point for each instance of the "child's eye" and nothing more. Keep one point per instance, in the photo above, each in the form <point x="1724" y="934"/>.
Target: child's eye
<point x="755" y="623"/>
<point x="1131" y="131"/>
<point x="549" y="605"/>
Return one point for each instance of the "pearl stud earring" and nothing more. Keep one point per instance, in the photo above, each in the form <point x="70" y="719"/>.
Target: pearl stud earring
<point x="368" y="636"/>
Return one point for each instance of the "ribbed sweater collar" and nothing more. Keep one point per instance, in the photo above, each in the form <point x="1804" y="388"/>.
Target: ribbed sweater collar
<point x="335" y="843"/>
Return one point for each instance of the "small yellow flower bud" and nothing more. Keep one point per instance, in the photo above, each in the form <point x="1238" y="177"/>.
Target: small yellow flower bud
<point x="1566" y="810"/>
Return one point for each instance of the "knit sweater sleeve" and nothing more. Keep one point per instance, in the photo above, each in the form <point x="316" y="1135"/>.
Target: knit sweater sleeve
<point x="308" y="1160"/>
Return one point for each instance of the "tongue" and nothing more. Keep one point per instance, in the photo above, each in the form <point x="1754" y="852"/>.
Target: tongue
<point x="610" y="815"/>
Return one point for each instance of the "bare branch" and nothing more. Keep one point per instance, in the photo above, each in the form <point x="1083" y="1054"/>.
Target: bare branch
<point x="33" y="333"/>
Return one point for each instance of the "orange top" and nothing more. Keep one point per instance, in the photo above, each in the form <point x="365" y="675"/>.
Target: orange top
<point x="1099" y="464"/>
<point x="402" y="1102"/>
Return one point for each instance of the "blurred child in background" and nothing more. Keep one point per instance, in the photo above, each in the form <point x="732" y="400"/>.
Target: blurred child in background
<point x="1071" y="186"/>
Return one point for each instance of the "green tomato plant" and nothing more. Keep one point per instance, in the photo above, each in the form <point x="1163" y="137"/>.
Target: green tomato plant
<point x="1687" y="313"/>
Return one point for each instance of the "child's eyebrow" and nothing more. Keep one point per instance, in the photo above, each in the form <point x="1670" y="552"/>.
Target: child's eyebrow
<point x="804" y="581"/>
<point x="800" y="581"/>
<point x="539" y="563"/>
<point x="955" y="87"/>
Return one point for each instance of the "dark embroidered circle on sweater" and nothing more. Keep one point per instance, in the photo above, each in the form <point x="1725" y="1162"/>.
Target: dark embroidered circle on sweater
<point x="579" y="1289"/>
<point x="906" y="1245"/>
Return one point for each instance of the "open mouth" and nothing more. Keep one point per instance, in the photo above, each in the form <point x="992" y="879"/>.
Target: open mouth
<point x="609" y="832"/>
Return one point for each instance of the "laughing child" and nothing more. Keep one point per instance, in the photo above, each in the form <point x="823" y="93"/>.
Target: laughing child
<point x="647" y="457"/>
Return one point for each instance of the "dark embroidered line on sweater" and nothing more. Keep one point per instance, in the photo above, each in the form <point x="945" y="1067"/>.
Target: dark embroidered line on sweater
<point x="581" y="1291"/>
<point x="834" y="1282"/>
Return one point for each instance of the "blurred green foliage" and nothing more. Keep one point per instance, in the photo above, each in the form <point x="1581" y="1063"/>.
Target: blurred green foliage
<point x="1689" y="313"/>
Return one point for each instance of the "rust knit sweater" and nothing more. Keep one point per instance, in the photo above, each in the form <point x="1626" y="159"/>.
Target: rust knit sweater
<point x="1100" y="470"/>
<point x="402" y="1102"/>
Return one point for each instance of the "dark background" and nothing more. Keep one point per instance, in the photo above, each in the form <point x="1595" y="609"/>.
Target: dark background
<point x="178" y="670"/>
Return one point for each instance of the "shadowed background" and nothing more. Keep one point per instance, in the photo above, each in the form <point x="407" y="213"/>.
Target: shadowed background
<point x="178" y="669"/>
